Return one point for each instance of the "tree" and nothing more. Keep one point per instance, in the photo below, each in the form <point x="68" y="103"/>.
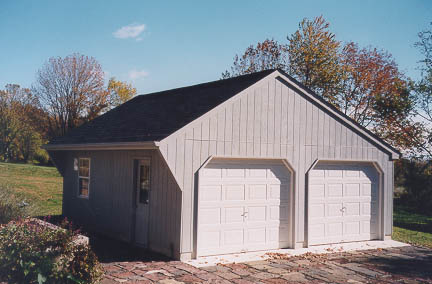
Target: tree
<point x="364" y="83"/>
<point x="9" y="125"/>
<point x="28" y="143"/>
<point x="415" y="177"/>
<point x="268" y="54"/>
<point x="423" y="92"/>
<point x="71" y="91"/>
<point x="19" y="138"/>
<point x="313" y="57"/>
<point x="375" y="93"/>
<point x="119" y="92"/>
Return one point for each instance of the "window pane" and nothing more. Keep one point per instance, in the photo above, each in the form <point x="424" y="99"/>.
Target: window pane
<point x="83" y="187"/>
<point x="84" y="167"/>
<point x="143" y="196"/>
<point x="144" y="176"/>
<point x="144" y="183"/>
<point x="84" y="163"/>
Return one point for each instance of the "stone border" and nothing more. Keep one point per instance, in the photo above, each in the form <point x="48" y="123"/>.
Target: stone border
<point x="78" y="239"/>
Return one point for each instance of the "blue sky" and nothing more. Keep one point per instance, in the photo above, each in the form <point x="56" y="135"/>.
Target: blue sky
<point x="167" y="44"/>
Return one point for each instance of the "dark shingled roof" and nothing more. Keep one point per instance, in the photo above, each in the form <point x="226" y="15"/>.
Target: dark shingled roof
<point x="155" y="116"/>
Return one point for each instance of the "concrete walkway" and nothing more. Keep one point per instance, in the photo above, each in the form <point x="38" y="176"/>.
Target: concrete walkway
<point x="404" y="264"/>
<point x="263" y="255"/>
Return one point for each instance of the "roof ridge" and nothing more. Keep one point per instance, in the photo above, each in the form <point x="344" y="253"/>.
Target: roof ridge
<point x="269" y="71"/>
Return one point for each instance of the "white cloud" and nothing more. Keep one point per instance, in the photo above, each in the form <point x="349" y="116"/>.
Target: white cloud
<point x="130" y="31"/>
<point x="137" y="74"/>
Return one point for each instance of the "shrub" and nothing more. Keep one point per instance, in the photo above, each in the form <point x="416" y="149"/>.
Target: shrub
<point x="41" y="157"/>
<point x="32" y="253"/>
<point x="11" y="207"/>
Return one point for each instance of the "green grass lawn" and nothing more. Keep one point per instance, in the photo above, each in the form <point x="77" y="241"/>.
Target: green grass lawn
<point x="37" y="185"/>
<point x="42" y="186"/>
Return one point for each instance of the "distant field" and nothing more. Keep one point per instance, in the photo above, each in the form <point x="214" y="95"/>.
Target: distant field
<point x="41" y="186"/>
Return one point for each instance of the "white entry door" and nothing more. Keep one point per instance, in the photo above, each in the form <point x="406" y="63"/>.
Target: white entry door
<point x="243" y="206"/>
<point x="142" y="201"/>
<point x="343" y="203"/>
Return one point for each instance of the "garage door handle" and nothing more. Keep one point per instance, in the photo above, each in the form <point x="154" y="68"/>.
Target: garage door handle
<point x="343" y="209"/>
<point x="244" y="214"/>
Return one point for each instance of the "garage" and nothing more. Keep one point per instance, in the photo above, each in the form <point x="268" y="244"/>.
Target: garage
<point x="343" y="203"/>
<point x="243" y="205"/>
<point x="233" y="168"/>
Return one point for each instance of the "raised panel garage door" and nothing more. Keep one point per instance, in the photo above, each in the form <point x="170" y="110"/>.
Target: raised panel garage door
<point x="343" y="203"/>
<point x="243" y="206"/>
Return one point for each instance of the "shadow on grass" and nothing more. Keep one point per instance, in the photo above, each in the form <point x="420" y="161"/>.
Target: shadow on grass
<point x="425" y="228"/>
<point x="404" y="217"/>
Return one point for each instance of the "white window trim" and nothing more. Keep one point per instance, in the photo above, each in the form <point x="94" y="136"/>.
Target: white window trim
<point x="79" y="195"/>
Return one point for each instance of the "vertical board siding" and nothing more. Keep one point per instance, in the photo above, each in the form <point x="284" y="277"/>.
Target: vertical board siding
<point x="110" y="206"/>
<point x="243" y="126"/>
<point x="269" y="120"/>
<point x="264" y="120"/>
<point x="257" y="122"/>
<point x="277" y="121"/>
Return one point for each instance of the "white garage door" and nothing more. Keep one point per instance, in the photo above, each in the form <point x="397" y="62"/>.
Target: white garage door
<point x="343" y="203"/>
<point x="243" y="206"/>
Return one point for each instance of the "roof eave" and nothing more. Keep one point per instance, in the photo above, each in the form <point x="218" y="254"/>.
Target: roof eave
<point x="103" y="146"/>
<point x="396" y="155"/>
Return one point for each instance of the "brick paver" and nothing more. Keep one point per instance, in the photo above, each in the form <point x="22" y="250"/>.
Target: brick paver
<point x="395" y="265"/>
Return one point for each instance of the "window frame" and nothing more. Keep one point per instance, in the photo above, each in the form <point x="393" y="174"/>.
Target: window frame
<point x="82" y="177"/>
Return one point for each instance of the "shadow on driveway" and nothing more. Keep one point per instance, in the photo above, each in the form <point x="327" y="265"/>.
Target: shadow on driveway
<point x="106" y="248"/>
<point x="408" y="262"/>
<point x="110" y="250"/>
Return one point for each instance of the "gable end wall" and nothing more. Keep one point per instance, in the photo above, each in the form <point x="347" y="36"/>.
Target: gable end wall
<point x="269" y="120"/>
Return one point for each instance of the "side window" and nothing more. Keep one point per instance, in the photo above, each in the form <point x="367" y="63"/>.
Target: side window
<point x="84" y="177"/>
<point x="144" y="181"/>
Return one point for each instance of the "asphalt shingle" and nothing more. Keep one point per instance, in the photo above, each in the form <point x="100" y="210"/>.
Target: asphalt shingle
<point x="153" y="117"/>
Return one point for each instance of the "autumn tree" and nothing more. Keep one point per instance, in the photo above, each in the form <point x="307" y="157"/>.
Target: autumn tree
<point x="268" y="54"/>
<point x="71" y="90"/>
<point x="9" y="125"/>
<point x="364" y="83"/>
<point x="119" y="92"/>
<point x="373" y="91"/>
<point x="20" y="138"/>
<point x="310" y="56"/>
<point x="313" y="57"/>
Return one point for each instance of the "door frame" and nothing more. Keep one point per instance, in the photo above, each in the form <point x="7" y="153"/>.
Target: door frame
<point x="135" y="164"/>
<point x="380" y="172"/>
<point x="196" y="202"/>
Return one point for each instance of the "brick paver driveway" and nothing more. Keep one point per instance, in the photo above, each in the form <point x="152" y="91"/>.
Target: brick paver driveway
<point x="396" y="265"/>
